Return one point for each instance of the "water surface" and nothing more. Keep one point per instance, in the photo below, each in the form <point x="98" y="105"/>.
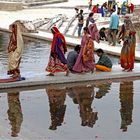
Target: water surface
<point x="108" y="110"/>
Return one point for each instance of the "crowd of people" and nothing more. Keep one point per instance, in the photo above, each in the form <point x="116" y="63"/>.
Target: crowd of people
<point x="105" y="8"/>
<point x="82" y="59"/>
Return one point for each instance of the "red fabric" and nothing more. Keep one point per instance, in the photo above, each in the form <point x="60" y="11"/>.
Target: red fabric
<point x="94" y="9"/>
<point x="57" y="34"/>
<point x="9" y="80"/>
<point x="131" y="8"/>
<point x="13" y="39"/>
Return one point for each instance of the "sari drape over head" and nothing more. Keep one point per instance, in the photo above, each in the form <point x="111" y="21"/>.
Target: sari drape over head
<point x="93" y="31"/>
<point x="57" y="61"/>
<point x="15" y="49"/>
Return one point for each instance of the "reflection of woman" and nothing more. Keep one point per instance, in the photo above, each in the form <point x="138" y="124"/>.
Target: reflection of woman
<point x="126" y="100"/>
<point x="103" y="89"/>
<point x="84" y="96"/>
<point x="57" y="107"/>
<point x="15" y="49"/>
<point x="14" y="113"/>
<point x="85" y="60"/>
<point x="127" y="57"/>
<point x="57" y="60"/>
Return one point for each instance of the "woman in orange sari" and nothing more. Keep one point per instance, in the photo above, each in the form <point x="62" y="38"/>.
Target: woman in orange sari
<point x="127" y="57"/>
<point x="57" y="60"/>
<point x="15" y="49"/>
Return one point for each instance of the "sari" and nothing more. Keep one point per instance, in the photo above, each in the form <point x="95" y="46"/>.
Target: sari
<point x="15" y="49"/>
<point x="57" y="61"/>
<point x="93" y="31"/>
<point x="127" y="57"/>
<point x="85" y="61"/>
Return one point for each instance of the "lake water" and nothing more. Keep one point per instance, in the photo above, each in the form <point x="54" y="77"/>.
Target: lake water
<point x="104" y="111"/>
<point x="35" y="55"/>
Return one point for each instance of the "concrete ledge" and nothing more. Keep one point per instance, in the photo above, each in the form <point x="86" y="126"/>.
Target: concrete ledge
<point x="11" y="6"/>
<point x="60" y="79"/>
<point x="38" y="3"/>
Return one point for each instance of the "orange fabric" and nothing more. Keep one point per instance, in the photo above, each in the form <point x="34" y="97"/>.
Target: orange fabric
<point x="88" y="51"/>
<point x="127" y="57"/>
<point x="103" y="68"/>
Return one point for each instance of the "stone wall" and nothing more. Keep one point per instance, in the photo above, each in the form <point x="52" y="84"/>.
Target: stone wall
<point x="41" y="2"/>
<point x="10" y="6"/>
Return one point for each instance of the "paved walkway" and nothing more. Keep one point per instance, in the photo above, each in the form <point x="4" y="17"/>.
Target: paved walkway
<point x="36" y="80"/>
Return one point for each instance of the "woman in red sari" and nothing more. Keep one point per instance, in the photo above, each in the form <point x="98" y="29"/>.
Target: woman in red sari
<point x="57" y="61"/>
<point x="127" y="57"/>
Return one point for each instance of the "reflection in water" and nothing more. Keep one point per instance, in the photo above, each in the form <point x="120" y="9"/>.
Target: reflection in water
<point x="84" y="96"/>
<point x="102" y="90"/>
<point x="126" y="100"/>
<point x="15" y="115"/>
<point x="57" y="107"/>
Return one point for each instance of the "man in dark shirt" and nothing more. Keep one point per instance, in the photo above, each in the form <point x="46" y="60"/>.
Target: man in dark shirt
<point x="104" y="63"/>
<point x="72" y="56"/>
<point x="80" y="22"/>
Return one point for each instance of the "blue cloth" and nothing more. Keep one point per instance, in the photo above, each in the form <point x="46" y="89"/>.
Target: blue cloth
<point x="71" y="59"/>
<point x="59" y="52"/>
<point x="114" y="21"/>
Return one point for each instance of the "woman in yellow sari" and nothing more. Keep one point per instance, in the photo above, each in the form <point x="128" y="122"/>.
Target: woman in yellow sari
<point x="15" y="49"/>
<point x="127" y="57"/>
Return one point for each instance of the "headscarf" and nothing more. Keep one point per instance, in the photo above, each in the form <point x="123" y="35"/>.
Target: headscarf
<point x="59" y="35"/>
<point x="13" y="39"/>
<point x="128" y="23"/>
<point x="93" y="30"/>
<point x="58" y="41"/>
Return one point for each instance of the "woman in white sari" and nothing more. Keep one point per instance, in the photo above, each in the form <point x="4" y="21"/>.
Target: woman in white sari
<point x="15" y="49"/>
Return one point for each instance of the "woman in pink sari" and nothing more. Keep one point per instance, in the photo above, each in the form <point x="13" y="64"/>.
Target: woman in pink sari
<point x="85" y="61"/>
<point x="57" y="60"/>
<point x="93" y="31"/>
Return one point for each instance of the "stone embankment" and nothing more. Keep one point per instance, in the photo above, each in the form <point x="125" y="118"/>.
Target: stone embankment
<point x="13" y="5"/>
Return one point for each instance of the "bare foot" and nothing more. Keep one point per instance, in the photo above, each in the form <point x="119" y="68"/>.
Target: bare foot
<point x="67" y="73"/>
<point x="50" y="74"/>
<point x="129" y="70"/>
<point x="124" y="69"/>
<point x="92" y="71"/>
<point x="16" y="76"/>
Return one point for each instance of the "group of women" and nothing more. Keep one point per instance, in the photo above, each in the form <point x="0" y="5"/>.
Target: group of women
<point x="85" y="61"/>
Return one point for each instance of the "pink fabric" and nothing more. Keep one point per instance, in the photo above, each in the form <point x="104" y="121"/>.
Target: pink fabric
<point x="80" y="66"/>
<point x="94" y="32"/>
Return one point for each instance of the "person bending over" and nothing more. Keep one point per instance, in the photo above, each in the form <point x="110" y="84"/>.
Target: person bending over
<point x="72" y="56"/>
<point x="104" y="63"/>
